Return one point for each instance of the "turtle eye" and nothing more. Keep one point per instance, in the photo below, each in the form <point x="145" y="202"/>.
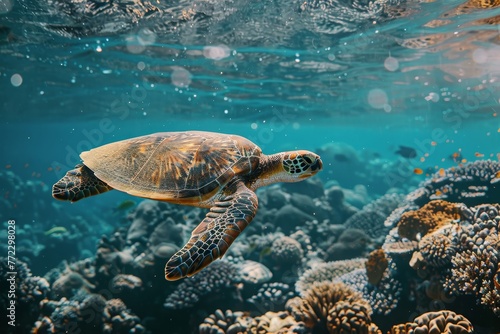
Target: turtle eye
<point x="307" y="159"/>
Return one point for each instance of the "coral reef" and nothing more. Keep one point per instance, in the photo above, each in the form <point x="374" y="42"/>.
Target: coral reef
<point x="388" y="257"/>
<point x="29" y="291"/>
<point x="472" y="184"/>
<point x="475" y="267"/>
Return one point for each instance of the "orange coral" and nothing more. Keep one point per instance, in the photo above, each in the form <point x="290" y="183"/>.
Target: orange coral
<point x="376" y="265"/>
<point x="428" y="218"/>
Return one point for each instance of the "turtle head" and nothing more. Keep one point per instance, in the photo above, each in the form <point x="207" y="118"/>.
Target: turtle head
<point x="299" y="165"/>
<point x="290" y="166"/>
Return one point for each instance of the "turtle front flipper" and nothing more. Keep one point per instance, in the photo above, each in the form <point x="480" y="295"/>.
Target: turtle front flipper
<point x="78" y="183"/>
<point x="213" y="236"/>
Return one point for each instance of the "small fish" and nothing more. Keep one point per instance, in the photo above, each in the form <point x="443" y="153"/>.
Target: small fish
<point x="125" y="205"/>
<point x="56" y="230"/>
<point x="406" y="152"/>
<point x="418" y="171"/>
<point x="341" y="157"/>
<point x="478" y="155"/>
<point x="456" y="156"/>
<point x="265" y="252"/>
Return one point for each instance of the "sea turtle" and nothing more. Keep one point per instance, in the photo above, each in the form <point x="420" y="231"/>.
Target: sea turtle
<point x="203" y="169"/>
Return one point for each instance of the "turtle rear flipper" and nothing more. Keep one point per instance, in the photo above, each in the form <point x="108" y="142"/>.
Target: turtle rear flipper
<point x="78" y="183"/>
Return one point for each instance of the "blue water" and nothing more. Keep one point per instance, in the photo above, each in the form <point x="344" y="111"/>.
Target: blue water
<point x="285" y="74"/>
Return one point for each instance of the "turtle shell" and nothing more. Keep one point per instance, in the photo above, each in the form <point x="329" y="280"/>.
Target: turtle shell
<point x="181" y="167"/>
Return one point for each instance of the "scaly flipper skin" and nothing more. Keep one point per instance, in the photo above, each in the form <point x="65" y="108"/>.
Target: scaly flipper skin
<point x="213" y="236"/>
<point x="78" y="183"/>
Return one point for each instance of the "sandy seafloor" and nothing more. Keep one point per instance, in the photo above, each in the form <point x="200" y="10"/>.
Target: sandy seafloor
<point x="399" y="233"/>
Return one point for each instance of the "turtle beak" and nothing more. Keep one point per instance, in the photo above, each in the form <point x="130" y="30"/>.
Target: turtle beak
<point x="317" y="165"/>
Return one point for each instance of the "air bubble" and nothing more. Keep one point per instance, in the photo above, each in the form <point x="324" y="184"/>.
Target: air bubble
<point x="434" y="97"/>
<point x="181" y="77"/>
<point x="16" y="80"/>
<point x="377" y="98"/>
<point x="480" y="56"/>
<point x="254" y="126"/>
<point x="146" y="36"/>
<point x="216" y="52"/>
<point x="5" y="6"/>
<point x="391" y="64"/>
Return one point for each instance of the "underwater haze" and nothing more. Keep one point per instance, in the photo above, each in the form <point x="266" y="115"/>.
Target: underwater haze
<point x="399" y="232"/>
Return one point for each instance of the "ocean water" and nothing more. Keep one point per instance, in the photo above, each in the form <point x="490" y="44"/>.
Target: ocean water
<point x="397" y="97"/>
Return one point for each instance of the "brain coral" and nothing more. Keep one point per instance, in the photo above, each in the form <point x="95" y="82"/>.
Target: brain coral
<point x="332" y="307"/>
<point x="445" y="322"/>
